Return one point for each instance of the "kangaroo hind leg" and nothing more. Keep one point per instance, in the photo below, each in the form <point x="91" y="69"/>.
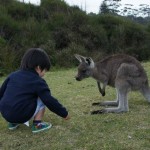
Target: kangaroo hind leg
<point x="111" y="103"/>
<point x="122" y="107"/>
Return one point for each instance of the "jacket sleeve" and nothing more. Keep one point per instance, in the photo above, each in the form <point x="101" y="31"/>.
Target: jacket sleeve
<point x="3" y="88"/>
<point x="51" y="102"/>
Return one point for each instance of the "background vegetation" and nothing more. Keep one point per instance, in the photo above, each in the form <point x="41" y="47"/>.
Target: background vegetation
<point x="63" y="31"/>
<point x="125" y="131"/>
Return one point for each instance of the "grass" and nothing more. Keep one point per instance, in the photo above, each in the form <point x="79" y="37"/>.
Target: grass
<point x="84" y="131"/>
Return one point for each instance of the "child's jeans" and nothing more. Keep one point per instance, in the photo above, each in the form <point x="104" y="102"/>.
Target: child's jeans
<point x="40" y="106"/>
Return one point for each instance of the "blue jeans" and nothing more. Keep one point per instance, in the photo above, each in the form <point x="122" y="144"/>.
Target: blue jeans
<point x="40" y="106"/>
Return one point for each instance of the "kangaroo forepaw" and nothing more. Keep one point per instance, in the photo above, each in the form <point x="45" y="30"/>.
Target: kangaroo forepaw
<point x="103" y="94"/>
<point x="98" y="112"/>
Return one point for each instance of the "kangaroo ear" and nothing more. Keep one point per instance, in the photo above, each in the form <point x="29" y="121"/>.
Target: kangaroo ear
<point x="90" y="62"/>
<point x="80" y="58"/>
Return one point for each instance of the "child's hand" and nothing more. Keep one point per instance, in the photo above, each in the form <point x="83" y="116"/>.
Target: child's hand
<point x="67" y="118"/>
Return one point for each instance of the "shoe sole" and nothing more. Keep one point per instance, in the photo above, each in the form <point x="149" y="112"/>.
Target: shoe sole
<point x="43" y="129"/>
<point x="13" y="128"/>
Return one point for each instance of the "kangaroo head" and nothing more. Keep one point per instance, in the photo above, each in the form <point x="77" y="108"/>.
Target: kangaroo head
<point x="84" y="68"/>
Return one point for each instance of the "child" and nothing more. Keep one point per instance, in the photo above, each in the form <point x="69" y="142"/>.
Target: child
<point x="24" y="94"/>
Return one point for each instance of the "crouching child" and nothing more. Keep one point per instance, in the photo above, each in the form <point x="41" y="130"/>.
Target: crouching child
<point x="25" y="94"/>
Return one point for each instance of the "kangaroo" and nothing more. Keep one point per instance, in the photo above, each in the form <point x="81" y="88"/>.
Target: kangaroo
<point x="123" y="72"/>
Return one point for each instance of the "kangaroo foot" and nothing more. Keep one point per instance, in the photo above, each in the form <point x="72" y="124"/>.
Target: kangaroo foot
<point x="107" y="103"/>
<point x="93" y="104"/>
<point x="98" y="112"/>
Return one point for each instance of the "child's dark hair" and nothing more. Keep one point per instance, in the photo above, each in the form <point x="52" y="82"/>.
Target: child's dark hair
<point x="35" y="57"/>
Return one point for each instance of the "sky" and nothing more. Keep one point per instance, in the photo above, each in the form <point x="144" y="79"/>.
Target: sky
<point x="93" y="5"/>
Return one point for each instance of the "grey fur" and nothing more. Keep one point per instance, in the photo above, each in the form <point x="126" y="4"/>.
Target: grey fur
<point x="123" y="72"/>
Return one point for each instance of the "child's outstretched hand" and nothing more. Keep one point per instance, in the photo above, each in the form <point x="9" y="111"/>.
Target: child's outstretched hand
<point x="67" y="118"/>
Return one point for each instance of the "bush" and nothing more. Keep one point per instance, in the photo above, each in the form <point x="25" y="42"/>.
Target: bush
<point x="76" y="20"/>
<point x="94" y="37"/>
<point x="7" y="60"/>
<point x="51" y="6"/>
<point x="63" y="30"/>
<point x="9" y="27"/>
<point x="65" y="58"/>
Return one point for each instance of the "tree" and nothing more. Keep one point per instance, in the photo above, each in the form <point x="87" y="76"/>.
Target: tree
<point x="128" y="10"/>
<point x="104" y="8"/>
<point x="113" y="6"/>
<point x="145" y="10"/>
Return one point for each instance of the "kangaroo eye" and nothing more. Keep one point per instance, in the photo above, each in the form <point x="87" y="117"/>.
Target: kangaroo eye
<point x="83" y="71"/>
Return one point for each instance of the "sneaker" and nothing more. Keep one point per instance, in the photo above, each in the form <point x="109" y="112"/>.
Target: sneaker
<point x="41" y="127"/>
<point x="12" y="126"/>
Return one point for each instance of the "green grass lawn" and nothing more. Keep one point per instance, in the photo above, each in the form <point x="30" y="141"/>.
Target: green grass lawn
<point x="126" y="131"/>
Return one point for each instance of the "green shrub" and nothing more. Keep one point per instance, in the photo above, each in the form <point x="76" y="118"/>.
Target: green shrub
<point x="65" y="58"/>
<point x="51" y="6"/>
<point x="9" y="27"/>
<point x="63" y="30"/>
<point x="94" y="37"/>
<point x="76" y="20"/>
<point x="7" y="60"/>
<point x="61" y="37"/>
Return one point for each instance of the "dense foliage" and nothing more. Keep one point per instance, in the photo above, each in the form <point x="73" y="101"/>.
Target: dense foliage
<point x="63" y="30"/>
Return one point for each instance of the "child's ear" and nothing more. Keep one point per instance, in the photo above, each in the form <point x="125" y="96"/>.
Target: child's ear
<point x="37" y="68"/>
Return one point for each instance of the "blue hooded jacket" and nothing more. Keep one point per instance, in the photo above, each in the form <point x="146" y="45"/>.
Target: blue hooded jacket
<point x="19" y="93"/>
